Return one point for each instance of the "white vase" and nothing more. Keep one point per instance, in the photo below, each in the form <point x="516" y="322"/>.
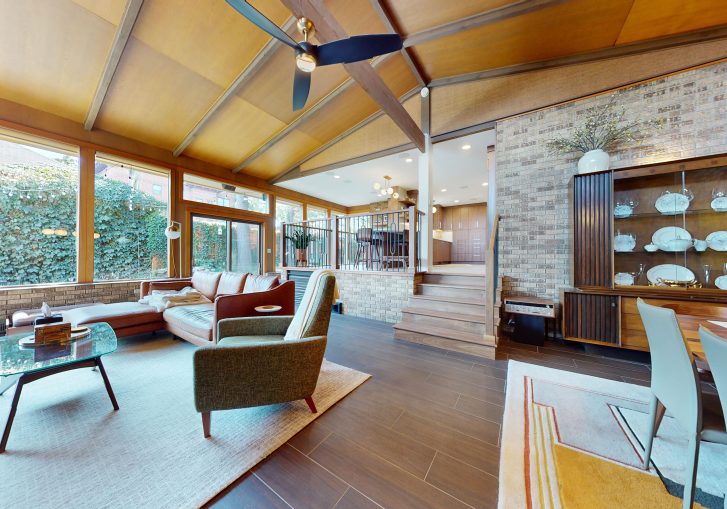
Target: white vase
<point x="594" y="160"/>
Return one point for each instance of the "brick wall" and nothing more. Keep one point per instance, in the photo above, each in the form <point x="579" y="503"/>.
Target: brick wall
<point x="375" y="295"/>
<point x="32" y="297"/>
<point x="533" y="186"/>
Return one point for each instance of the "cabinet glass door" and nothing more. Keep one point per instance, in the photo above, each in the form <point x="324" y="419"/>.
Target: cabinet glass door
<point x="670" y="229"/>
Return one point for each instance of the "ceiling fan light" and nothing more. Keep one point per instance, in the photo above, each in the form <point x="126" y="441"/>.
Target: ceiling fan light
<point x="305" y="62"/>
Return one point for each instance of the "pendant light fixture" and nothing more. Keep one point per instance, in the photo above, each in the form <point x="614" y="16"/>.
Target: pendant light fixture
<point x="385" y="188"/>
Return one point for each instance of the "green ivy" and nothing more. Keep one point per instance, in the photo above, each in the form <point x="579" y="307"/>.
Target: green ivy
<point x="130" y="223"/>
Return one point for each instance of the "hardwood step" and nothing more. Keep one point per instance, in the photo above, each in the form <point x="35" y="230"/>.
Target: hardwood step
<point x="455" y="279"/>
<point x="466" y="317"/>
<point x="470" y="324"/>
<point x="448" y="333"/>
<point x="448" y="304"/>
<point x="481" y="350"/>
<point x="458" y="291"/>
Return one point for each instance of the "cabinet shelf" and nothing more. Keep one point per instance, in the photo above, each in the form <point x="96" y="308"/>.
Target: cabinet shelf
<point x="651" y="215"/>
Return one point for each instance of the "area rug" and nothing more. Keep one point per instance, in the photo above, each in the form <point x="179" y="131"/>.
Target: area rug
<point x="575" y="441"/>
<point x="69" y="449"/>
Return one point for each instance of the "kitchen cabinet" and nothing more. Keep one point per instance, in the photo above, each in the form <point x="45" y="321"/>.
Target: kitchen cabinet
<point x="468" y="226"/>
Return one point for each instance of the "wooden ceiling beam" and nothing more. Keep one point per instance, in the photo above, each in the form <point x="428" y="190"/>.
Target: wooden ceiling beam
<point x="484" y="18"/>
<point x="121" y="37"/>
<point x="329" y="29"/>
<point x="672" y="41"/>
<point x="345" y="85"/>
<point x="388" y="20"/>
<point x="245" y="75"/>
<point x="295" y="171"/>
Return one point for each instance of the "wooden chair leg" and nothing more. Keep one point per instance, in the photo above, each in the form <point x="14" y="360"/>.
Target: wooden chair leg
<point x="660" y="411"/>
<point x="206" y="424"/>
<point x="311" y="405"/>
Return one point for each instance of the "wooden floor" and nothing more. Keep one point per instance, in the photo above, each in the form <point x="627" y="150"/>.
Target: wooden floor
<point x="424" y="431"/>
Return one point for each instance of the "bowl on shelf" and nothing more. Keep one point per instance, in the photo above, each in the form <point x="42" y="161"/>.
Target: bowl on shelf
<point x="700" y="245"/>
<point x="721" y="282"/>
<point x="651" y="248"/>
<point x="676" y="245"/>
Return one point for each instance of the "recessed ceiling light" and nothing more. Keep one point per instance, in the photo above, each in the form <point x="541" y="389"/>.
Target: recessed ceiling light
<point x="456" y="201"/>
<point x="466" y="146"/>
<point x="484" y="183"/>
<point x="336" y="176"/>
<point x="444" y="190"/>
<point x="409" y="160"/>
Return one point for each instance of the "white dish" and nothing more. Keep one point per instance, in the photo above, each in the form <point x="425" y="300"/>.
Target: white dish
<point x="721" y="282"/>
<point x="676" y="245"/>
<point x="623" y="279"/>
<point x="672" y="203"/>
<point x="663" y="238"/>
<point x="717" y="240"/>
<point x="622" y="211"/>
<point x="651" y="247"/>
<point x="700" y="245"/>
<point x="719" y="204"/>
<point x="624" y="243"/>
<point x="669" y="272"/>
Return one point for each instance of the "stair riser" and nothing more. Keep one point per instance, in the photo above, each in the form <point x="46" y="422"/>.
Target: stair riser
<point x="444" y="323"/>
<point x="452" y="307"/>
<point x="457" y="293"/>
<point x="447" y="279"/>
<point x="486" y="351"/>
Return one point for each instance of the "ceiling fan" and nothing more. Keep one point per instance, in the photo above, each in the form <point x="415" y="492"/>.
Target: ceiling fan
<point x="308" y="56"/>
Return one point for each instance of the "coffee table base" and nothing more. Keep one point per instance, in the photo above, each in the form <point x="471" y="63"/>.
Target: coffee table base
<point x="26" y="378"/>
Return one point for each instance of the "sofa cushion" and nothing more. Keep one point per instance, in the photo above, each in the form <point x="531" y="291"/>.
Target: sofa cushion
<point x="118" y="315"/>
<point x="231" y="282"/>
<point x="260" y="283"/>
<point x="247" y="340"/>
<point x="205" y="282"/>
<point x="195" y="319"/>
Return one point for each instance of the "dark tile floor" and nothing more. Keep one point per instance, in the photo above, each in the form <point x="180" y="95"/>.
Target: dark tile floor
<point x="424" y="431"/>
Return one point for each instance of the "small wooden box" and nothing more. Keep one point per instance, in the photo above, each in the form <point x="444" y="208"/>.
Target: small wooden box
<point x="52" y="333"/>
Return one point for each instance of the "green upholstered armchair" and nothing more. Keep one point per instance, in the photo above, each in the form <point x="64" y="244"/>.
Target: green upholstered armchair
<point x="265" y="360"/>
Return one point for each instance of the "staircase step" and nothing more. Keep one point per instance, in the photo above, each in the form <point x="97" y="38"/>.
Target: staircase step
<point x="449" y="304"/>
<point x="457" y="291"/>
<point x="467" y="337"/>
<point x="480" y="350"/>
<point x="466" y="279"/>
<point x="464" y="317"/>
<point x="444" y="321"/>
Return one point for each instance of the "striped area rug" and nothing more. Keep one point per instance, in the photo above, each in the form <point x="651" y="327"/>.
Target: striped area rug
<point x="575" y="441"/>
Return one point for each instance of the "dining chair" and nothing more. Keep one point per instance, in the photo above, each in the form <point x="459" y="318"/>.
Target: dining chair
<point x="674" y="386"/>
<point x="715" y="348"/>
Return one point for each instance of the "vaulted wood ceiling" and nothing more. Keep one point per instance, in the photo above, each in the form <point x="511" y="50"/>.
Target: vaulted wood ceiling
<point x="194" y="77"/>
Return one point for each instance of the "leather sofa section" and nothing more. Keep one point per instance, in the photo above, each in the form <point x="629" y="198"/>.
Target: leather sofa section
<point x="260" y="283"/>
<point x="195" y="320"/>
<point x="232" y="282"/>
<point x="118" y="315"/>
<point x="206" y="283"/>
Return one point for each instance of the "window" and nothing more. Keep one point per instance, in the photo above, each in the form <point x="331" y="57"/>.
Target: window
<point x="203" y="190"/>
<point x="285" y="212"/>
<point x="316" y="213"/>
<point x="335" y="213"/>
<point x="38" y="218"/>
<point x="223" y="244"/>
<point x="129" y="221"/>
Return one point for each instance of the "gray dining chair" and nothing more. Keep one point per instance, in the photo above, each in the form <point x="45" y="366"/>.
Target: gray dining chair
<point x="674" y="386"/>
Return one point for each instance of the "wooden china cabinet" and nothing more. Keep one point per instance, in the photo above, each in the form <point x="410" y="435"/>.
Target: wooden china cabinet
<point x="658" y="232"/>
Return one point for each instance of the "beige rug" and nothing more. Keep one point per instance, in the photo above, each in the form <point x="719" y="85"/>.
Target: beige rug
<point x="69" y="449"/>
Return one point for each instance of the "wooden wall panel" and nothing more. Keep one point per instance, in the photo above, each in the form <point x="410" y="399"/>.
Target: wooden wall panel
<point x="591" y="317"/>
<point x="592" y="230"/>
<point x="658" y="18"/>
<point x="544" y="34"/>
<point x="462" y="105"/>
<point x="380" y="134"/>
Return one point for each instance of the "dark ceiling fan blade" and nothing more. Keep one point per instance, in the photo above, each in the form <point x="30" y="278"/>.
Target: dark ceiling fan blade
<point x="358" y="47"/>
<point x="301" y="87"/>
<point x="262" y="22"/>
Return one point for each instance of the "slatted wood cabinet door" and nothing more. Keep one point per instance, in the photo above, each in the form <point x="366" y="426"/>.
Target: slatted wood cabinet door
<point x="593" y="317"/>
<point x="593" y="230"/>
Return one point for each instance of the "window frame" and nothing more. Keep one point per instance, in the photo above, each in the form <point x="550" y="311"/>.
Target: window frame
<point x="269" y="197"/>
<point x="228" y="235"/>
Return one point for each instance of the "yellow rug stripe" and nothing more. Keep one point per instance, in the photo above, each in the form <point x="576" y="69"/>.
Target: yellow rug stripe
<point x="591" y="483"/>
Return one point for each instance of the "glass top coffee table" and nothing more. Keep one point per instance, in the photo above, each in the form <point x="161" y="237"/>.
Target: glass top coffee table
<point x="22" y="365"/>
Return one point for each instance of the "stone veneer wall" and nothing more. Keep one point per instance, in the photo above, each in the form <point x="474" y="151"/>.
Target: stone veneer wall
<point x="533" y="185"/>
<point x="31" y="297"/>
<point x="380" y="296"/>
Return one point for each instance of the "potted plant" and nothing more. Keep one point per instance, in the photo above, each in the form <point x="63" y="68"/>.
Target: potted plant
<point x="301" y="240"/>
<point x="603" y="130"/>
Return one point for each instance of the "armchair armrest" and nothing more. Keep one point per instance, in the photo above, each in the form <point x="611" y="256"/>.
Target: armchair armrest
<point x="148" y="286"/>
<point x="257" y="374"/>
<point x="244" y="304"/>
<point x="253" y="326"/>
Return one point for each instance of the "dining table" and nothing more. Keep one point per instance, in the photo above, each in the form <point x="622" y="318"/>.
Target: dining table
<point x="690" y="328"/>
